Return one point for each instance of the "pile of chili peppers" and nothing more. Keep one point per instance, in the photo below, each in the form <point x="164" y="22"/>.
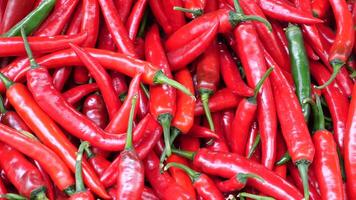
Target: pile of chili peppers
<point x="177" y="99"/>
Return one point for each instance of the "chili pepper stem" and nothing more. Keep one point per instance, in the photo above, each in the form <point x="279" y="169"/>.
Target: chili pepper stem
<point x="129" y="145"/>
<point x="2" y="107"/>
<point x="205" y="94"/>
<point x="241" y="177"/>
<point x="285" y="158"/>
<point x="7" y="82"/>
<point x="254" y="196"/>
<point x="194" y="175"/>
<point x="143" y="25"/>
<point x="79" y="184"/>
<point x="259" y="85"/>
<point x="28" y="50"/>
<point x="12" y="196"/>
<point x="39" y="195"/>
<point x="165" y="121"/>
<point x="254" y="146"/>
<point x="160" y="78"/>
<point x="70" y="190"/>
<point x="186" y="154"/>
<point x="174" y="134"/>
<point x="145" y="90"/>
<point x="336" y="64"/>
<point x="195" y="12"/>
<point x="319" y="120"/>
<point x="303" y="171"/>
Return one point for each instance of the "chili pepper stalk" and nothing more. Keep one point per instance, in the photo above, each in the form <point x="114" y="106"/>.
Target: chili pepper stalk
<point x="12" y="196"/>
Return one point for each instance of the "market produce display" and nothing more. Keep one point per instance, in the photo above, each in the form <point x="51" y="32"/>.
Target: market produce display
<point x="177" y="99"/>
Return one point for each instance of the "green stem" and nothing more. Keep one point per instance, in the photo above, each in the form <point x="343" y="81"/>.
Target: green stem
<point x="39" y="194"/>
<point x="28" y="50"/>
<point x="303" y="172"/>
<point x="79" y="184"/>
<point x="238" y="8"/>
<point x="174" y="134"/>
<point x="259" y="85"/>
<point x="285" y="158"/>
<point x="336" y="64"/>
<point x="141" y="31"/>
<point x="319" y="121"/>
<point x="2" y="107"/>
<point x="129" y="143"/>
<point x="254" y="146"/>
<point x="89" y="153"/>
<point x="205" y="94"/>
<point x="12" y="196"/>
<point x="186" y="154"/>
<point x="160" y="78"/>
<point x="241" y="177"/>
<point x="6" y="81"/>
<point x="145" y="90"/>
<point x="195" y="13"/>
<point x="254" y="196"/>
<point x="194" y="175"/>
<point x="165" y="121"/>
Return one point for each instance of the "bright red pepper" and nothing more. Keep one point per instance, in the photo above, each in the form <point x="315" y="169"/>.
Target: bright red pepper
<point x="220" y="143"/>
<point x="196" y="7"/>
<point x="105" y="40"/>
<point x="75" y="94"/>
<point x="124" y="6"/>
<point x="134" y="19"/>
<point x="227" y="118"/>
<point x="176" y="18"/>
<point x="60" y="77"/>
<point x="160" y="15"/>
<point x="320" y="8"/>
<point x="94" y="109"/>
<point x="119" y="84"/>
<point x="202" y="132"/>
<point x="251" y="55"/>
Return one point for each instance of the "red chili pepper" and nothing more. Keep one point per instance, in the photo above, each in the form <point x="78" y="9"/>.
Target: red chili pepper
<point x="163" y="183"/>
<point x="97" y="161"/>
<point x="281" y="10"/>
<point x="204" y="186"/>
<point x="80" y="192"/>
<point x="147" y="194"/>
<point x="15" y="10"/>
<point x="281" y="170"/>
<point x="117" y="28"/>
<point x="143" y="107"/>
<point x="105" y="40"/>
<point x="59" y="17"/>
<point x="235" y="183"/>
<point x="90" y="21"/>
<point x="184" y="116"/>
<point x="22" y="174"/>
<point x="131" y="170"/>
<point x="124" y="6"/>
<point x="179" y="175"/>
<point x="162" y="97"/>
<point x="193" y="8"/>
<point x="253" y="150"/>
<point x="176" y="18"/>
<point x="310" y="52"/>
<point x="2" y="189"/>
<point x="344" y="41"/>
<point x="102" y="79"/>
<point x="218" y="144"/>
<point x="134" y="19"/>
<point x="251" y="55"/>
<point x="337" y="102"/>
<point x="13" y="46"/>
<point x="228" y="165"/>
<point x="231" y="74"/>
<point x="32" y="148"/>
<point x="320" y="8"/>
<point x="47" y="180"/>
<point x="47" y="131"/>
<point x="227" y="118"/>
<point x="202" y="132"/>
<point x="119" y="84"/>
<point x="294" y="128"/>
<point x="94" y="109"/>
<point x="326" y="162"/>
<point x="278" y="30"/>
<point x="244" y="116"/>
<point x="160" y="15"/>
<point x="116" y="124"/>
<point x="350" y="147"/>
<point x="211" y="6"/>
<point x="60" y="77"/>
<point x="152" y="134"/>
<point x="75" y="94"/>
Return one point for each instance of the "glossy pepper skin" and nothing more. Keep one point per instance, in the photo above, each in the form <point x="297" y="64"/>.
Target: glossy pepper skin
<point x="250" y="52"/>
<point x="350" y="148"/>
<point x="21" y="173"/>
<point x="162" y="97"/>
<point x="94" y="108"/>
<point x="75" y="94"/>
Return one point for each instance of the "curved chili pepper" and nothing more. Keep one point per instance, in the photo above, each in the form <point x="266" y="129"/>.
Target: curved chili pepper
<point x="97" y="160"/>
<point x="14" y="12"/>
<point x="281" y="170"/>
<point x="235" y="183"/>
<point x="119" y="84"/>
<point x="80" y="192"/>
<point x="336" y="101"/>
<point x="281" y="10"/>
<point x="244" y="116"/>
<point x="14" y="46"/>
<point x="227" y="118"/>
<point x="75" y="94"/>
<point x="53" y="165"/>
<point x="90" y="21"/>
<point x="117" y="28"/>
<point x="116" y="124"/>
<point x="131" y="170"/>
<point x="250" y="53"/>
<point x="32" y="20"/>
<point x="231" y="74"/>
<point x="162" y="97"/>
<point x="47" y="131"/>
<point x="22" y="174"/>
<point x="202" y="132"/>
<point x="105" y="40"/>
<point x="204" y="186"/>
<point x="102" y="78"/>
<point x="344" y="41"/>
<point x="94" y="109"/>
<point x="60" y="77"/>
<point x="162" y="183"/>
<point x="300" y="67"/>
<point x="320" y="8"/>
<point x="160" y="15"/>
<point x="349" y="150"/>
<point x="56" y="21"/>
<point x="294" y="128"/>
<point x="218" y="144"/>
<point x="134" y="19"/>
<point x="252" y="150"/>
<point x="326" y="161"/>
<point x="310" y="52"/>
<point x="228" y="165"/>
<point x="184" y="116"/>
<point x="208" y="69"/>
